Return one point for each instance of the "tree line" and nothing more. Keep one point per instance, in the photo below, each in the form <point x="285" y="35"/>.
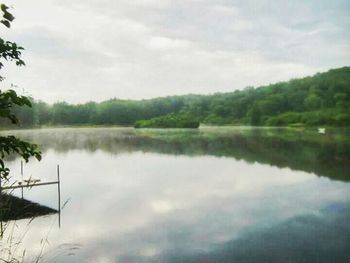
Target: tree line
<point x="322" y="99"/>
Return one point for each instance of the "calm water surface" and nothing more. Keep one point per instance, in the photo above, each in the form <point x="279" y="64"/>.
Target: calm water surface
<point x="207" y="195"/>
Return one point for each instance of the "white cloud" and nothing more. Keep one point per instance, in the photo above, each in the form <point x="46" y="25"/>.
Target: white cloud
<point x="94" y="50"/>
<point x="165" y="43"/>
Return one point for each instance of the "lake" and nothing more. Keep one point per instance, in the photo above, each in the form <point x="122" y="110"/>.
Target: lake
<point x="230" y="194"/>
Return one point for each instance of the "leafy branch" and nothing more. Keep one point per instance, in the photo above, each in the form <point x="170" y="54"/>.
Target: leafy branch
<point x="10" y="51"/>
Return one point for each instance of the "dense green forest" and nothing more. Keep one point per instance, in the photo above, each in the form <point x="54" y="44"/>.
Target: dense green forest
<point x="323" y="99"/>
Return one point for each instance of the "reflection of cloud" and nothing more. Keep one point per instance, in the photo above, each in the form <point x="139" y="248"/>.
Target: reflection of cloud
<point x="103" y="259"/>
<point x="145" y="204"/>
<point x="162" y="206"/>
<point x="139" y="209"/>
<point x="302" y="238"/>
<point x="150" y="251"/>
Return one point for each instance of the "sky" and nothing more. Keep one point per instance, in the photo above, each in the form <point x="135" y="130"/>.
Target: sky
<point x="94" y="50"/>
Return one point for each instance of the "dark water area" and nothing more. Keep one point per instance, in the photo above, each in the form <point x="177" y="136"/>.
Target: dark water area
<point x="230" y="194"/>
<point x="16" y="208"/>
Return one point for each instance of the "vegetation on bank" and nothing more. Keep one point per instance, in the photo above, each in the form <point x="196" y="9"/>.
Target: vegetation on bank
<point x="323" y="99"/>
<point x="168" y="121"/>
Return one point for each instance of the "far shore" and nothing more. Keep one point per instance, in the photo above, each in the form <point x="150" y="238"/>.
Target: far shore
<point x="202" y="126"/>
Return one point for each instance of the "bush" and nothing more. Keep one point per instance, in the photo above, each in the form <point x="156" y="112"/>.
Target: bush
<point x="284" y="119"/>
<point x="342" y="119"/>
<point x="215" y="120"/>
<point x="168" y="121"/>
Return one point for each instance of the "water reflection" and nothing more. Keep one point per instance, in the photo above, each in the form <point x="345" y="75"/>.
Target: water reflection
<point x="13" y="209"/>
<point x="307" y="238"/>
<point x="213" y="195"/>
<point x="306" y="150"/>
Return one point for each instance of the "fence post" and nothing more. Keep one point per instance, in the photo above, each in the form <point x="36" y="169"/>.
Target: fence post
<point x="59" y="195"/>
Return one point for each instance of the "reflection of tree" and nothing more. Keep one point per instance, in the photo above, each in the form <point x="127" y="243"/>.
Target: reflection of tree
<point x="14" y="208"/>
<point x="325" y="155"/>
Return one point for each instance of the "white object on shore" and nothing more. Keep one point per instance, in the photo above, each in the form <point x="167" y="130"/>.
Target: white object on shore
<point x="322" y="130"/>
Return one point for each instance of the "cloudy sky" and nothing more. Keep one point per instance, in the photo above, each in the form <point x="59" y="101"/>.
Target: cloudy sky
<point x="86" y="50"/>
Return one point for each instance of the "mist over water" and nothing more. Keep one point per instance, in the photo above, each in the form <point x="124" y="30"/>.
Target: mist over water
<point x="206" y="195"/>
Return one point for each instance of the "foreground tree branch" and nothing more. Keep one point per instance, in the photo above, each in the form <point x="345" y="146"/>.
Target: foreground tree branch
<point x="10" y="145"/>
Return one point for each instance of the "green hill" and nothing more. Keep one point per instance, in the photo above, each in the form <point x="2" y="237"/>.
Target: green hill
<point x="322" y="99"/>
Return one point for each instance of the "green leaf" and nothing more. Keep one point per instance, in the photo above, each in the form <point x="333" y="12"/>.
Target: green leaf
<point x="8" y="16"/>
<point x="6" y="23"/>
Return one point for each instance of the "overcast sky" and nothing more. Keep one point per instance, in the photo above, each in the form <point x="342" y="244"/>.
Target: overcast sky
<point x="86" y="50"/>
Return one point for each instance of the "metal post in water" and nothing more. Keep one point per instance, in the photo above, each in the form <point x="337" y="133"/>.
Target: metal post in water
<point x="1" y="229"/>
<point x="22" y="177"/>
<point x="1" y="215"/>
<point x="59" y="195"/>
